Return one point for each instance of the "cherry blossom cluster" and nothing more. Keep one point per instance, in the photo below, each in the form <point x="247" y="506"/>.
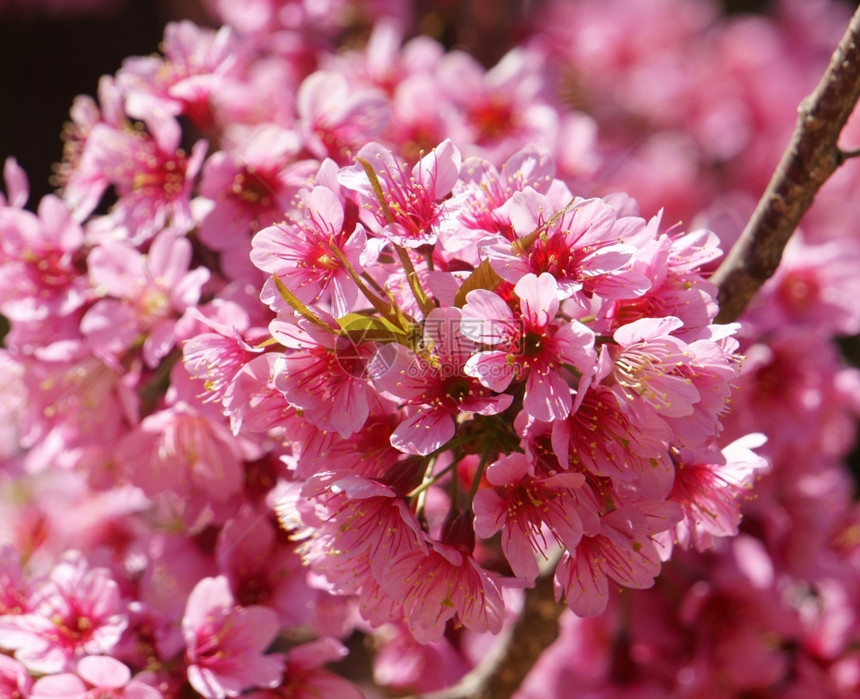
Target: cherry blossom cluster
<point x="316" y="344"/>
<point x="545" y="360"/>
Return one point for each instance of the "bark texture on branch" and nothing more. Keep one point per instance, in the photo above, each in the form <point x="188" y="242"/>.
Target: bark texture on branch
<point x="811" y="157"/>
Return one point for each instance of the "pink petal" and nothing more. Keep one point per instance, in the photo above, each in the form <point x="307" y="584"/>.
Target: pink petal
<point x="103" y="672"/>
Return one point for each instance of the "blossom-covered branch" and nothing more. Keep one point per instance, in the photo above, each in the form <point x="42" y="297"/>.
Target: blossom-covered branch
<point x="371" y="364"/>
<point x="811" y="158"/>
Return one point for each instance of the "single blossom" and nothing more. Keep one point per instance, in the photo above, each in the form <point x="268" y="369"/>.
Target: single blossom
<point x="74" y="611"/>
<point x="532" y="346"/>
<point x="583" y="246"/>
<point x="432" y="380"/>
<point x="150" y="173"/>
<point x="324" y="374"/>
<point x="250" y="186"/>
<point x="525" y="508"/>
<point x="313" y="253"/>
<point x="623" y="551"/>
<point x="145" y="295"/>
<point x="710" y="485"/>
<point x="404" y="206"/>
<point x="441" y="584"/>
<point x="225" y="644"/>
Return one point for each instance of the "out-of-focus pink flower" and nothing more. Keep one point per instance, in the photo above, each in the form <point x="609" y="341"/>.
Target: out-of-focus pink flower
<point x="94" y="676"/>
<point x="178" y="449"/>
<point x="150" y="173"/>
<point x="305" y="677"/>
<point x="197" y="63"/>
<point x="815" y="285"/>
<point x="13" y="589"/>
<point x="42" y="272"/>
<point x="225" y="643"/>
<point x="498" y="111"/>
<point x="336" y="120"/>
<point x="76" y="610"/>
<point x="15" y="681"/>
<point x="263" y="570"/>
<point x="251" y="185"/>
<point x="403" y="663"/>
<point x="146" y="295"/>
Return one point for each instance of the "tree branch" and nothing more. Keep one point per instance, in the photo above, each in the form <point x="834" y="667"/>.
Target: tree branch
<point x="810" y="159"/>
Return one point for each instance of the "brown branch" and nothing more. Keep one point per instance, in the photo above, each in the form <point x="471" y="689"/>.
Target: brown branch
<point x="811" y="157"/>
<point x="516" y="650"/>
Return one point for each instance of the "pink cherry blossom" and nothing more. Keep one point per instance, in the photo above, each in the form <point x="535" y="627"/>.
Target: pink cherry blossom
<point x="532" y="346"/>
<point x="262" y="570"/>
<point x="434" y="382"/>
<point x="179" y="449"/>
<point x="335" y="120"/>
<point x="602" y="439"/>
<point x="583" y="247"/>
<point x="152" y="175"/>
<point x="813" y="286"/>
<point x="225" y="643"/>
<point x="41" y="276"/>
<point x="441" y="584"/>
<point x="251" y="186"/>
<point x="623" y="551"/>
<point x="523" y="506"/>
<point x="356" y="517"/>
<point x="94" y="676"/>
<point x="314" y="252"/>
<point x="15" y="681"/>
<point x="146" y="294"/>
<point x="405" y="205"/>
<point x="217" y="357"/>
<point x="647" y="366"/>
<point x="305" y="677"/>
<point x="197" y="62"/>
<point x="324" y="374"/>
<point x="74" y="611"/>
<point x="709" y="486"/>
<point x="488" y="189"/>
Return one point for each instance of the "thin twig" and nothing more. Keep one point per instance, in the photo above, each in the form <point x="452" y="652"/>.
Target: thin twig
<point x="811" y="157"/>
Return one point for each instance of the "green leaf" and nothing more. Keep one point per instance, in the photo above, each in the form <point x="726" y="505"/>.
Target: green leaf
<point x="483" y="277"/>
